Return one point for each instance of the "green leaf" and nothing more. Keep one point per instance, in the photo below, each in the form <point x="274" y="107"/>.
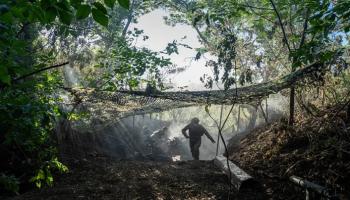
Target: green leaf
<point x="6" y="18"/>
<point x="64" y="13"/>
<point x="48" y="178"/>
<point x="9" y="183"/>
<point x="133" y="83"/>
<point x="4" y="76"/>
<point x="206" y="108"/>
<point x="83" y="11"/>
<point x="50" y="14"/>
<point x="100" y="7"/>
<point x="100" y="17"/>
<point x="40" y="175"/>
<point x="65" y="17"/>
<point x="347" y="29"/>
<point x="38" y="184"/>
<point x="124" y="3"/>
<point x="76" y="3"/>
<point x="4" y="8"/>
<point x="109" y="3"/>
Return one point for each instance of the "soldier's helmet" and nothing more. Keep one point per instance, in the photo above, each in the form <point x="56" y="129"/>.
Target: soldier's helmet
<point x="165" y="128"/>
<point x="195" y="120"/>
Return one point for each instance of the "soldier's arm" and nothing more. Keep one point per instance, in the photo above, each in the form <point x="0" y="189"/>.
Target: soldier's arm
<point x="208" y="135"/>
<point x="184" y="131"/>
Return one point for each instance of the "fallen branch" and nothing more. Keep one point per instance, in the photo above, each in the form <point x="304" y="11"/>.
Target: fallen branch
<point x="239" y="177"/>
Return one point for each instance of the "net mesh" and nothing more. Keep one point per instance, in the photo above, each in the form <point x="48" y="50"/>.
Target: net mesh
<point x="121" y="104"/>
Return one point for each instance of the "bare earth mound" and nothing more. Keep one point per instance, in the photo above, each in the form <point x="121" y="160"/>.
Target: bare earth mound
<point x="317" y="149"/>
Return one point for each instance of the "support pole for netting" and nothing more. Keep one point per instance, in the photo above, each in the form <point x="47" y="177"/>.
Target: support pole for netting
<point x="218" y="139"/>
<point x="263" y="112"/>
<point x="133" y="120"/>
<point x="266" y="110"/>
<point x="239" y="118"/>
<point x="233" y="124"/>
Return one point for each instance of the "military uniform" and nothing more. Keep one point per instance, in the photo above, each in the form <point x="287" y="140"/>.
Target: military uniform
<point x="195" y="133"/>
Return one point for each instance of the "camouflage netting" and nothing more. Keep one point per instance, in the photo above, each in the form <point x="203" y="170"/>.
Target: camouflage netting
<point x="111" y="105"/>
<point x="122" y="104"/>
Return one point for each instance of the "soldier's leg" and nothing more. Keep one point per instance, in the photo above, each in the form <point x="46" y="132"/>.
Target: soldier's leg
<point x="192" y="142"/>
<point x="195" y="144"/>
<point x="196" y="147"/>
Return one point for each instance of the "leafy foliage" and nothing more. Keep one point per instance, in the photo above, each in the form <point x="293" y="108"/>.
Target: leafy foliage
<point x="259" y="39"/>
<point x="10" y="183"/>
<point x="27" y="117"/>
<point x="44" y="174"/>
<point x="127" y="65"/>
<point x="29" y="106"/>
<point x="124" y="3"/>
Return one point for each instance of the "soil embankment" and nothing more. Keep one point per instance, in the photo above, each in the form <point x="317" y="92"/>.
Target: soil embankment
<point x="316" y="149"/>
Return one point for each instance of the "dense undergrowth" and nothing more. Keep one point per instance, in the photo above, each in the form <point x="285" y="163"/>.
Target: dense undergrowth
<point x="317" y="149"/>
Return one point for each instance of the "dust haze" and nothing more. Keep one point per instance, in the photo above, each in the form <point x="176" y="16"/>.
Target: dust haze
<point x="127" y="138"/>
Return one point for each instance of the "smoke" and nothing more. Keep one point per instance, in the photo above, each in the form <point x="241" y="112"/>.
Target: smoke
<point x="71" y="76"/>
<point x="128" y="138"/>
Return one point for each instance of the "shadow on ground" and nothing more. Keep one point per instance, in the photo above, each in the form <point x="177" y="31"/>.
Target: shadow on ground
<point x="101" y="178"/>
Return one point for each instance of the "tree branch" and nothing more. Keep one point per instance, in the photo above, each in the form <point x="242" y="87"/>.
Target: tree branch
<point x="203" y="38"/>
<point x="39" y="70"/>
<point x="281" y="24"/>
<point x="303" y="36"/>
<point x="129" y="19"/>
<point x="253" y="7"/>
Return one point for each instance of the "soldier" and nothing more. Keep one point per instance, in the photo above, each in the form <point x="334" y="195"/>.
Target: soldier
<point x="160" y="135"/>
<point x="159" y="141"/>
<point x="146" y="132"/>
<point x="195" y="132"/>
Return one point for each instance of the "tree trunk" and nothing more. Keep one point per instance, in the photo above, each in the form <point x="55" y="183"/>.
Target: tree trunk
<point x="129" y="19"/>
<point x="292" y="89"/>
<point x="239" y="118"/>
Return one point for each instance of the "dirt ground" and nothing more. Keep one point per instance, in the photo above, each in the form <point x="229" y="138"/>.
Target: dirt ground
<point x="316" y="150"/>
<point x="101" y="178"/>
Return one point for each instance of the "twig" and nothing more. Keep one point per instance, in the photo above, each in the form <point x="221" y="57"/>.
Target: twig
<point x="253" y="7"/>
<point x="347" y="103"/>
<point x="292" y="166"/>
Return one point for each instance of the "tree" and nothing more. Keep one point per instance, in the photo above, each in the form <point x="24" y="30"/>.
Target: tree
<point x="28" y="85"/>
<point x="266" y="29"/>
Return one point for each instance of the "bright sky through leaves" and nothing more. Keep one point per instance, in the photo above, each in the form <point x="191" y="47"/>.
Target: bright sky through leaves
<point x="161" y="34"/>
